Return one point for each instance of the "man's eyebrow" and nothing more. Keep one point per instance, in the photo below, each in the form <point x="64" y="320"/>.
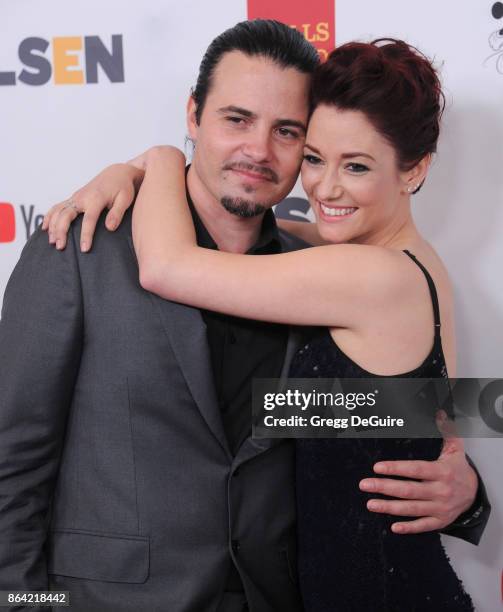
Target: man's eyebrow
<point x="238" y="110"/>
<point x="344" y="155"/>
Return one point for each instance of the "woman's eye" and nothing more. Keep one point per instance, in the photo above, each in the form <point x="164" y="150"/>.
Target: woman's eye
<point x="312" y="159"/>
<point x="357" y="168"/>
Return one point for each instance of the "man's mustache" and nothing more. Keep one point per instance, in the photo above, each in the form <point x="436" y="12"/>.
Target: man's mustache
<point x="268" y="173"/>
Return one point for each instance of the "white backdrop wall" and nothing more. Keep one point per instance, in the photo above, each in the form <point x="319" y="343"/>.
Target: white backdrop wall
<point x="56" y="136"/>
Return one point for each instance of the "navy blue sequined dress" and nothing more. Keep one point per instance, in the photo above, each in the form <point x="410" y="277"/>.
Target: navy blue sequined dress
<point x="348" y="558"/>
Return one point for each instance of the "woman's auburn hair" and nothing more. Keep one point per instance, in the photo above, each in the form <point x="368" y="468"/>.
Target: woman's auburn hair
<point x="394" y="85"/>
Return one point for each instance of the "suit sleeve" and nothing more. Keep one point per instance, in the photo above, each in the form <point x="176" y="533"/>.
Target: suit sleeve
<point x="471" y="524"/>
<point x="40" y="346"/>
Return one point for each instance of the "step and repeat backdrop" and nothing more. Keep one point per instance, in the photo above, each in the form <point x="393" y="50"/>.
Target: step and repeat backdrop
<point x="86" y="84"/>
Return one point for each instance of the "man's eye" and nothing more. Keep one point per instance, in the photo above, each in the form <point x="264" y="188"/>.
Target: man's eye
<point x="282" y="131"/>
<point x="312" y="159"/>
<point x="357" y="168"/>
<point x="236" y="120"/>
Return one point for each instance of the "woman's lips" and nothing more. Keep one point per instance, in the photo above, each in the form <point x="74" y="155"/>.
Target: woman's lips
<point x="334" y="214"/>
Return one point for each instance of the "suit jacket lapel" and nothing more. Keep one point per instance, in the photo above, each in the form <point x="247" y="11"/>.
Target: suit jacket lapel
<point x="252" y="447"/>
<point x="186" y="333"/>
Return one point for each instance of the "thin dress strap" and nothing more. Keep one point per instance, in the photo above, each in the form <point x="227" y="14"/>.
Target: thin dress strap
<point x="433" y="293"/>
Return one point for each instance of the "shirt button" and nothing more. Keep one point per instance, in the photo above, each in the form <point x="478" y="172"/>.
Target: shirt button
<point x="235" y="546"/>
<point x="225" y="407"/>
<point x="232" y="338"/>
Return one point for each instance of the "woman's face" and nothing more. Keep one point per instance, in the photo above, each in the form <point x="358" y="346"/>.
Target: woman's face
<point x="351" y="178"/>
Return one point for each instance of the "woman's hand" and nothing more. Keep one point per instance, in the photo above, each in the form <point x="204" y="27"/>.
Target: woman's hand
<point x="114" y="188"/>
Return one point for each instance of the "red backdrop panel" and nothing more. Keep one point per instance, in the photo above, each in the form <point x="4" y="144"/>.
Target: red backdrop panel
<point x="315" y="19"/>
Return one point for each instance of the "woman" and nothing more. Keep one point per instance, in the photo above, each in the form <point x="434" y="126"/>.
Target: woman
<point x="378" y="290"/>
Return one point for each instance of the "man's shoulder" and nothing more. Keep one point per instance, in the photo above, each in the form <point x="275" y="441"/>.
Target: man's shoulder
<point x="104" y="240"/>
<point x="289" y="242"/>
<point x="37" y="247"/>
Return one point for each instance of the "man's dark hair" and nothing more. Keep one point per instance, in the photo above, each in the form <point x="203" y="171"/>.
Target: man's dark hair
<point x="263" y="37"/>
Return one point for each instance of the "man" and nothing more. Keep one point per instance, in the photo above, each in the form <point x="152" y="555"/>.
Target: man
<point x="128" y="474"/>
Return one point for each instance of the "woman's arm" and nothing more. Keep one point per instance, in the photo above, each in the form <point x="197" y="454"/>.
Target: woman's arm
<point x="331" y="285"/>
<point x="308" y="232"/>
<point x="114" y="188"/>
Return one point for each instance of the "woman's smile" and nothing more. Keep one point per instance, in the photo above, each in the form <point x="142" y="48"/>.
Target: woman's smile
<point x="335" y="214"/>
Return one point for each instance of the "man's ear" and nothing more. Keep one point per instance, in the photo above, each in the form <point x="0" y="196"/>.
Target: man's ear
<point x="191" y="119"/>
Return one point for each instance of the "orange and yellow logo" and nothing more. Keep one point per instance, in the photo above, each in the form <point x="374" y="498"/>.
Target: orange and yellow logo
<point x="314" y="19"/>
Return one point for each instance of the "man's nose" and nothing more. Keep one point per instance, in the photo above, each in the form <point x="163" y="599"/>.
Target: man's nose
<point x="258" y="146"/>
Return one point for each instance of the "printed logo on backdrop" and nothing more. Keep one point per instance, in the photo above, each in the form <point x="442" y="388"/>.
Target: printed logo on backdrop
<point x="28" y="221"/>
<point x="67" y="60"/>
<point x="7" y="222"/>
<point x="293" y="209"/>
<point x="314" y="19"/>
<point x="496" y="38"/>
